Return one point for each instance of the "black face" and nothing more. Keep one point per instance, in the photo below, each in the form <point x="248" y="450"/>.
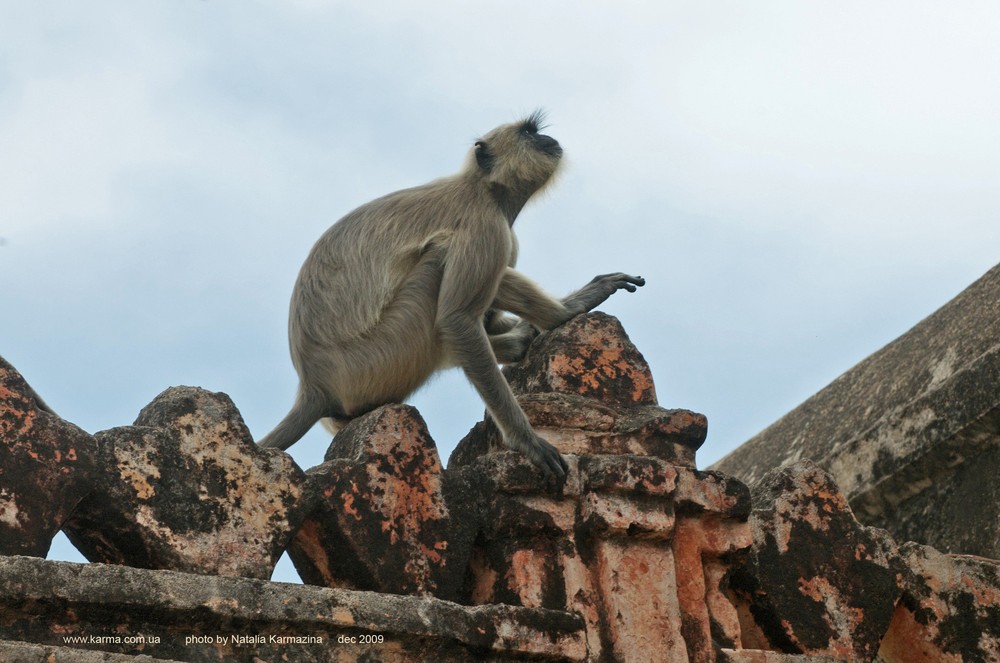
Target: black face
<point x="548" y="144"/>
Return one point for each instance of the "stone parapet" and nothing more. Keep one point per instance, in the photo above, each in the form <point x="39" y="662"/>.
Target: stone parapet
<point x="196" y="618"/>
<point x="23" y="652"/>
<point x="637" y="556"/>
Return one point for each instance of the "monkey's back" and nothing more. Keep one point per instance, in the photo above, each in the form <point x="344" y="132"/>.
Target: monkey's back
<point x="359" y="266"/>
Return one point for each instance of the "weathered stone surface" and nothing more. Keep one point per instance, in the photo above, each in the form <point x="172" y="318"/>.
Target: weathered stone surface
<point x="958" y="513"/>
<point x="636" y="540"/>
<point x="380" y="519"/>
<point x="156" y="613"/>
<point x="637" y="556"/>
<point x="816" y="582"/>
<point x="587" y="390"/>
<point x="712" y="493"/>
<point x="23" y="652"/>
<point x="949" y="611"/>
<point x="590" y="428"/>
<point x="761" y="656"/>
<point x="186" y="488"/>
<point x="565" y="550"/>
<point x="711" y="531"/>
<point x="946" y="607"/>
<point x="592" y="356"/>
<point x="46" y="466"/>
<point x="921" y="414"/>
<point x="647" y="577"/>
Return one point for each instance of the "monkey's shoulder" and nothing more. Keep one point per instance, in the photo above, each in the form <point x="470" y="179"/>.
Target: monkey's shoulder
<point x="446" y="204"/>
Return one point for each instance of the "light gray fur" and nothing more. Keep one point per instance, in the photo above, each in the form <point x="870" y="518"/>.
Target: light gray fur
<point x="417" y="281"/>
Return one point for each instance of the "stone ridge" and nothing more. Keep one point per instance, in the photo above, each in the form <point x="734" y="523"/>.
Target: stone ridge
<point x="911" y="433"/>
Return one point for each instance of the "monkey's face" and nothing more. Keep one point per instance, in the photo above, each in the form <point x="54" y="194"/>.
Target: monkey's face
<point x="517" y="157"/>
<point x="528" y="129"/>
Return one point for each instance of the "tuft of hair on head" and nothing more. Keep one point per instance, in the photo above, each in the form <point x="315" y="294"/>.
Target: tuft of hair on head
<point x="535" y="121"/>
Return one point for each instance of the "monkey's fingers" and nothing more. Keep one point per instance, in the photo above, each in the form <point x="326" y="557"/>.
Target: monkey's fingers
<point x="633" y="282"/>
<point x="620" y="281"/>
<point x="630" y="283"/>
<point x="549" y="460"/>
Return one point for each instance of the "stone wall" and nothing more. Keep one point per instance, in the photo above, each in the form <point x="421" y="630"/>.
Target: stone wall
<point x="638" y="556"/>
<point x="912" y="433"/>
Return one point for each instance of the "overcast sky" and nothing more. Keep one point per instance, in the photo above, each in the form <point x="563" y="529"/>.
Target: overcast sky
<point x="799" y="183"/>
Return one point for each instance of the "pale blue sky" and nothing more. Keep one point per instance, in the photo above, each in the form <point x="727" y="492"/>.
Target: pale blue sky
<point x="799" y="182"/>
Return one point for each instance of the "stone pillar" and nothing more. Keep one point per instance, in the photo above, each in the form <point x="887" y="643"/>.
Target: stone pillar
<point x="710" y="534"/>
<point x="636" y="540"/>
<point x="379" y="518"/>
<point x="628" y="524"/>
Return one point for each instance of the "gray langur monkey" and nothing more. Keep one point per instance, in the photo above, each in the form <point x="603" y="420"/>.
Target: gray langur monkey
<point x="418" y="281"/>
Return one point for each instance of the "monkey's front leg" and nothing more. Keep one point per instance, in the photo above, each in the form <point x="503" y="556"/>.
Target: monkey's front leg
<point x="469" y="345"/>
<point x="599" y="289"/>
<point x="519" y="295"/>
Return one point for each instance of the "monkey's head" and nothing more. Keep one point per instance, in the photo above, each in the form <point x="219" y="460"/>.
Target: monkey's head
<point x="515" y="160"/>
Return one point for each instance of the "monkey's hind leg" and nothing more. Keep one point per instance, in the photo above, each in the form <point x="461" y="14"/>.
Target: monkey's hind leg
<point x="310" y="406"/>
<point x="510" y="346"/>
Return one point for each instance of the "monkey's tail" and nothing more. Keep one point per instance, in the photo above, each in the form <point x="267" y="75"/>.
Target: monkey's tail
<point x="308" y="409"/>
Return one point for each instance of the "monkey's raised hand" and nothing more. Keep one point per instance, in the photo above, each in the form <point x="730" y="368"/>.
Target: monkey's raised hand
<point x="599" y="289"/>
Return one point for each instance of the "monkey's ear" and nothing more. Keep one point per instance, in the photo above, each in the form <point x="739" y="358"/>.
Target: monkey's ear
<point x="484" y="157"/>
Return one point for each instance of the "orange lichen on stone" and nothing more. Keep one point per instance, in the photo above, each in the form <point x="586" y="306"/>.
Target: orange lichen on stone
<point x="380" y="509"/>
<point x="525" y="577"/>
<point x="638" y="601"/>
<point x="347" y="499"/>
<point x="407" y="506"/>
<point x="589" y="356"/>
<point x="909" y="641"/>
<point x="688" y="545"/>
<point x="309" y="540"/>
<point x="600" y="361"/>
